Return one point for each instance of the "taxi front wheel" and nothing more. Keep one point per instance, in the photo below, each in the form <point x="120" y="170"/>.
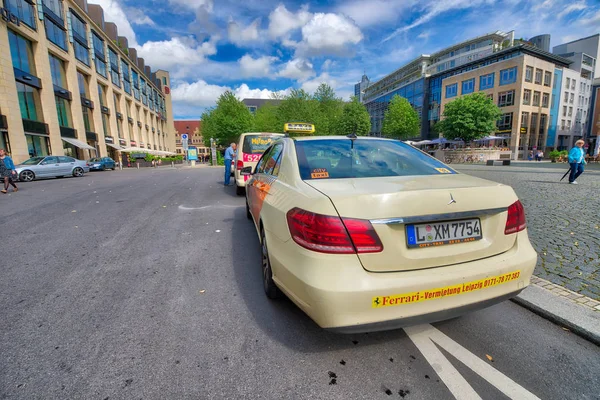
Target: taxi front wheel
<point x="271" y="289"/>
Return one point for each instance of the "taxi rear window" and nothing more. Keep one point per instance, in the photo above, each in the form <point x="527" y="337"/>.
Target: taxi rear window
<point x="257" y="144"/>
<point x="346" y="158"/>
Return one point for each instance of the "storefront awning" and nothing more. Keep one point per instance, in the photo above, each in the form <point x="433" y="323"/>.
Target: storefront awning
<point x="78" y="143"/>
<point x="114" y="146"/>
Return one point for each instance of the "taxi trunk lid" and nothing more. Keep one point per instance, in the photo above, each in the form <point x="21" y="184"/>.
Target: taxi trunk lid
<point x="394" y="203"/>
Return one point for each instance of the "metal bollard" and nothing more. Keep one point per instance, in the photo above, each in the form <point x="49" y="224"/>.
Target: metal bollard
<point x="138" y="165"/>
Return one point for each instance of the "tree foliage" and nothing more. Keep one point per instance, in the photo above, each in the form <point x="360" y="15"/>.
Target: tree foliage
<point x="226" y="121"/>
<point x="401" y="121"/>
<point x="266" y="120"/>
<point x="354" y="119"/>
<point x="469" y="118"/>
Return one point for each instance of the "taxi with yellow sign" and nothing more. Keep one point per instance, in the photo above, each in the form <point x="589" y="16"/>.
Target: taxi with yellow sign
<point x="250" y="148"/>
<point x="367" y="234"/>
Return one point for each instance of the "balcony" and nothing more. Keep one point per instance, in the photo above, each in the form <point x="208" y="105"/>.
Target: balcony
<point x="91" y="136"/>
<point x="65" y="131"/>
<point x="3" y="122"/>
<point x="35" y="127"/>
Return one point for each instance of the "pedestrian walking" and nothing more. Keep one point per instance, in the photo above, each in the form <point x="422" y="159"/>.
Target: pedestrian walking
<point x="229" y="156"/>
<point x="577" y="161"/>
<point x="540" y="155"/>
<point x="7" y="172"/>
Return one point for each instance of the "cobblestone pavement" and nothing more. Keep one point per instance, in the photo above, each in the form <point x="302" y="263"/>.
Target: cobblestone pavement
<point x="563" y="220"/>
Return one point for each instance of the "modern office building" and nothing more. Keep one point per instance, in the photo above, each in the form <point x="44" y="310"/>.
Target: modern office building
<point x="589" y="46"/>
<point x="70" y="85"/>
<point x="594" y="119"/>
<point x="193" y="128"/>
<point x="360" y="87"/>
<point x="542" y="42"/>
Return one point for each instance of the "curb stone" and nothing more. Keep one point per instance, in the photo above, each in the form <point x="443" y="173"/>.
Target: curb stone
<point x="578" y="313"/>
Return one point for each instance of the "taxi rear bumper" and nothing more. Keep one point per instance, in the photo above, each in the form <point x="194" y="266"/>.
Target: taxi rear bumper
<point x="339" y="294"/>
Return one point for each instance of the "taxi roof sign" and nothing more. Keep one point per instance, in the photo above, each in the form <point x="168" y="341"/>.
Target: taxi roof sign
<point x="298" y="127"/>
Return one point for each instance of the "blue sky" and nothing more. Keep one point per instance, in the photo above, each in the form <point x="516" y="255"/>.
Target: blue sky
<point x="257" y="47"/>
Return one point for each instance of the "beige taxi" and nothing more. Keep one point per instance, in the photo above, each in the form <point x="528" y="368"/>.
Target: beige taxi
<point x="250" y="149"/>
<point x="367" y="234"/>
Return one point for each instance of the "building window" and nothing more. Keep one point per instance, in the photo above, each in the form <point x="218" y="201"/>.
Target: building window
<point x="23" y="10"/>
<point x="568" y="83"/>
<point x="573" y="84"/>
<point x="545" y="99"/>
<point x="534" y="119"/>
<point x="486" y="81"/>
<point x="505" y="122"/>
<point x="55" y="6"/>
<point x="566" y="97"/>
<point x="553" y="101"/>
<point x="136" y="84"/>
<point x="562" y="124"/>
<point x="564" y="111"/>
<point x="547" y="78"/>
<point x="543" y="118"/>
<point x="451" y="90"/>
<point x="63" y="108"/>
<point x="102" y="95"/>
<point x="508" y="76"/>
<point x="538" y="76"/>
<point x="80" y="40"/>
<point x="29" y="102"/>
<point x="143" y="89"/>
<point x="572" y="98"/>
<point x="524" y="119"/>
<point x="82" y="53"/>
<point x="528" y="74"/>
<point x="57" y="70"/>
<point x="526" y="97"/>
<point x="570" y="112"/>
<point x="88" y="120"/>
<point x="56" y="33"/>
<point x="468" y="86"/>
<point x="21" y="52"/>
<point x="100" y="54"/>
<point x="126" y="78"/>
<point x="506" y="98"/>
<point x="105" y="125"/>
<point x="114" y="67"/>
<point x="536" y="99"/>
<point x="83" y="82"/>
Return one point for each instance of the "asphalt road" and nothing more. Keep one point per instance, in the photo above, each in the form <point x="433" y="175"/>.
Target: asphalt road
<point x="147" y="285"/>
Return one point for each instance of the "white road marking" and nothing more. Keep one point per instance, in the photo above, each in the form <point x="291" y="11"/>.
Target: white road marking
<point x="425" y="337"/>
<point x="205" y="207"/>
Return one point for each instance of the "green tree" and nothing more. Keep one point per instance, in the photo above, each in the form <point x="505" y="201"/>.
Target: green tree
<point x="297" y="106"/>
<point x="227" y="120"/>
<point x="354" y="119"/>
<point x="265" y="119"/>
<point x="401" y="121"/>
<point x="329" y="110"/>
<point x="469" y="118"/>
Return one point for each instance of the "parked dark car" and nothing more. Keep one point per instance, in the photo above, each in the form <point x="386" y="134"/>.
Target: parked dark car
<point x="101" y="164"/>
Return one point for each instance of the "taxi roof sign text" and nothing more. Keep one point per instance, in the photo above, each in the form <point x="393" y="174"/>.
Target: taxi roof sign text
<point x="298" y="127"/>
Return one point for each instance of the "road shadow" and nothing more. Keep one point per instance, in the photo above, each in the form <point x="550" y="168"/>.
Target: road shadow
<point x="281" y="319"/>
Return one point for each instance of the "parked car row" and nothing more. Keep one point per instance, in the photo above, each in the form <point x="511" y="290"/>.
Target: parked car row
<point x="60" y="166"/>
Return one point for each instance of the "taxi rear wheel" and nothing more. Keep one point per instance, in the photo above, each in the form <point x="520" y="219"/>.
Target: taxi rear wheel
<point x="239" y="190"/>
<point x="271" y="289"/>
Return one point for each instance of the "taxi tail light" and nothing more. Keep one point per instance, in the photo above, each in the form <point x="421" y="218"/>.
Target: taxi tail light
<point x="240" y="165"/>
<point x="328" y="234"/>
<point x="515" y="222"/>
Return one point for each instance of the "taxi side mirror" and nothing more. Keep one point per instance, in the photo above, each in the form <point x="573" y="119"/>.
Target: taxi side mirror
<point x="246" y="171"/>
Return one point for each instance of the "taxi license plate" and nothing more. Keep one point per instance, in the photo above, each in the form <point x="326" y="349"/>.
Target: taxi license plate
<point x="443" y="233"/>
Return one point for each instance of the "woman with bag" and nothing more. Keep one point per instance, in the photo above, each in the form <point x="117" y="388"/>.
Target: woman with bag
<point x="577" y="161"/>
<point x="7" y="172"/>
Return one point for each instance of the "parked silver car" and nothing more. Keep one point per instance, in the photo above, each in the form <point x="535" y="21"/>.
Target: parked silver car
<point x="51" y="166"/>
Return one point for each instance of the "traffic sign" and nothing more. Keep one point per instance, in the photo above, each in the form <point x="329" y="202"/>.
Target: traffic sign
<point x="184" y="144"/>
<point x="184" y="136"/>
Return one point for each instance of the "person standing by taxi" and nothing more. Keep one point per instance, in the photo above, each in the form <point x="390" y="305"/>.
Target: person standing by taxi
<point x="577" y="161"/>
<point x="7" y="172"/>
<point x="229" y="157"/>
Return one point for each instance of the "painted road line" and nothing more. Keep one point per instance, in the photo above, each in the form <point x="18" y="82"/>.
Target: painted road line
<point x="425" y="337"/>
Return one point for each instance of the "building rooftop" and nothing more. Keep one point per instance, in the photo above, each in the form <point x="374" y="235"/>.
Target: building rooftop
<point x="187" y="126"/>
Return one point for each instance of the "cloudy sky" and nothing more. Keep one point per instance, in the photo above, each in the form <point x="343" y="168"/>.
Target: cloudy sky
<point x="257" y="47"/>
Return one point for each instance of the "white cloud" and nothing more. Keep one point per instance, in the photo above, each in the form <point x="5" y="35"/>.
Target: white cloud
<point x="329" y="34"/>
<point x="572" y="7"/>
<point x="256" y="67"/>
<point x="177" y="52"/>
<point x="194" y="4"/>
<point x="298" y="69"/>
<point x="240" y="36"/>
<point x="311" y="85"/>
<point x="373" y="12"/>
<point x="113" y="12"/>
<point x="282" y="21"/>
<point x="201" y="94"/>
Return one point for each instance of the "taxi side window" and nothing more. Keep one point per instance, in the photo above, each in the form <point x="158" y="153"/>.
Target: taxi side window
<point x="260" y="167"/>
<point x="273" y="162"/>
